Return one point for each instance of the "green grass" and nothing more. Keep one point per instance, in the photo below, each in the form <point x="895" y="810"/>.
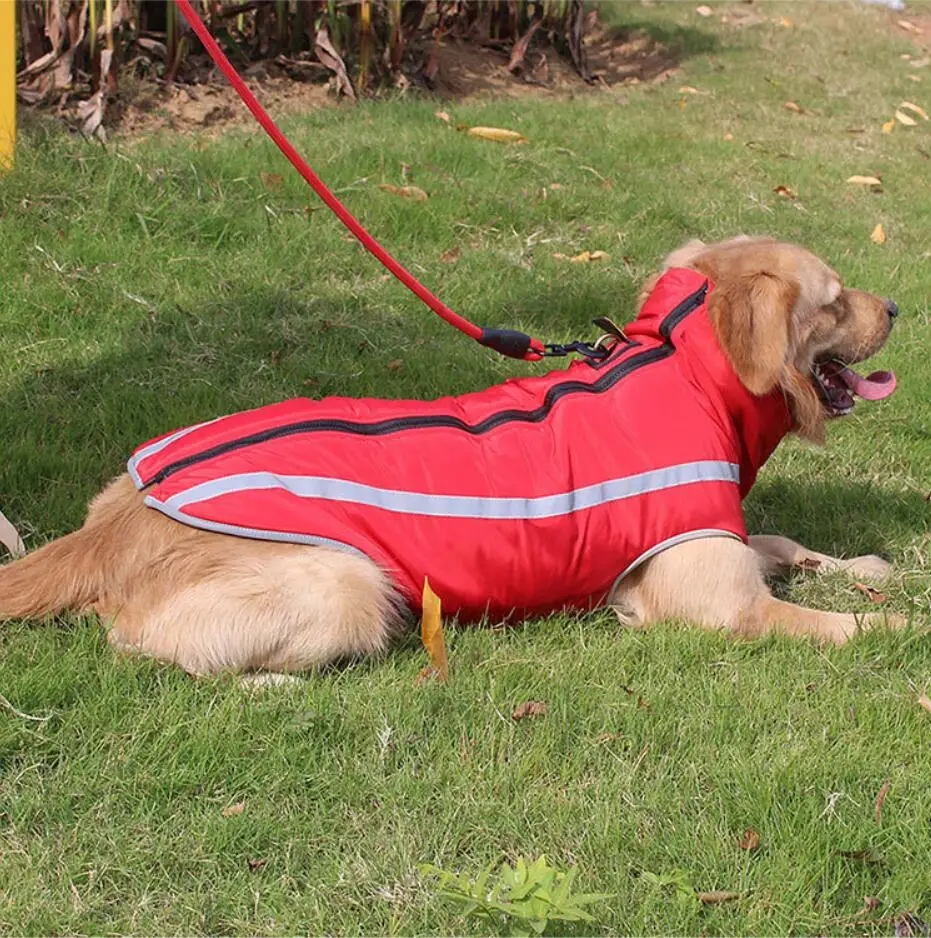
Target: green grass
<point x="160" y="282"/>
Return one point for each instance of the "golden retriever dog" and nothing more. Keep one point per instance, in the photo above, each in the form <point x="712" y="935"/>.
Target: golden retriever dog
<point x="212" y="602"/>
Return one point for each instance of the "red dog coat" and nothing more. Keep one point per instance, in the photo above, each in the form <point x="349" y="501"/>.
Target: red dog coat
<point x="531" y="496"/>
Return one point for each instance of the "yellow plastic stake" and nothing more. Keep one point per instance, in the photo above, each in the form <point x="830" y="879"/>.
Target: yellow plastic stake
<point x="7" y="81"/>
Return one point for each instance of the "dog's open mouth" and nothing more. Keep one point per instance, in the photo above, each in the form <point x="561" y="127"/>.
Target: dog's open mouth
<point x="839" y="385"/>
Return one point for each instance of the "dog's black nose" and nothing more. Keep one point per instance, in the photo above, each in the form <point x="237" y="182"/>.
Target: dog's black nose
<point x="892" y="308"/>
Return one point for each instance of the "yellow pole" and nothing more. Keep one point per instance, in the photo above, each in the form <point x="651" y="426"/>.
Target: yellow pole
<point x="7" y="81"/>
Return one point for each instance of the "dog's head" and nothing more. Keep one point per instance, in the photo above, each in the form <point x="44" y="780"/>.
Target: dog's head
<point x="785" y="319"/>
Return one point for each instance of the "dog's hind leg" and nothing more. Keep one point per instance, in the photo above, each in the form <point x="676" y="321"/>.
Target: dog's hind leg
<point x="717" y="582"/>
<point x="777" y="554"/>
<point x="260" y="607"/>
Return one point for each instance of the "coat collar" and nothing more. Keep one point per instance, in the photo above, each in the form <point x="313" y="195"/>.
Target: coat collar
<point x="758" y="422"/>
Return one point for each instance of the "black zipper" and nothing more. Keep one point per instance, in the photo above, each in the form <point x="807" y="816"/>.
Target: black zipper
<point x="601" y="384"/>
<point x="688" y="305"/>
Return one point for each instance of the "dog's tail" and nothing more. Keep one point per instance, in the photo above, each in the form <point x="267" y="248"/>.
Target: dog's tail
<point x="61" y="575"/>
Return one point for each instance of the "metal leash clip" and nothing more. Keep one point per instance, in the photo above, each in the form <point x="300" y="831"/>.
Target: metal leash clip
<point x="595" y="352"/>
<point x="586" y="349"/>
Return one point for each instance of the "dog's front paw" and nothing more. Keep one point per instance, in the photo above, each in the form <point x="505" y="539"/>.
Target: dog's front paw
<point x="868" y="567"/>
<point x="882" y="620"/>
<point x="846" y="627"/>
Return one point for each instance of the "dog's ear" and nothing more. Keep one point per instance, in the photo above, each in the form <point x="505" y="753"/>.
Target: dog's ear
<point x="752" y="315"/>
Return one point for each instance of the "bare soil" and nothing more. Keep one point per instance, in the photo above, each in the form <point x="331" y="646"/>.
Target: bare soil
<point x="463" y="69"/>
<point x="144" y="108"/>
<point x="614" y="58"/>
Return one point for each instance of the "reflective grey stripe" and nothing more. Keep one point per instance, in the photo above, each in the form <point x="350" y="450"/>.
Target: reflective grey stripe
<point x="665" y="545"/>
<point x="154" y="448"/>
<point x="255" y="533"/>
<point x="461" y="506"/>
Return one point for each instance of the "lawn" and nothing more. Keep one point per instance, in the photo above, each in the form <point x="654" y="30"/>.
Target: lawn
<point x="162" y="281"/>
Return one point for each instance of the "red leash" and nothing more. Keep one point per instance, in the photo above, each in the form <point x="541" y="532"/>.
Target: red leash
<point x="506" y="341"/>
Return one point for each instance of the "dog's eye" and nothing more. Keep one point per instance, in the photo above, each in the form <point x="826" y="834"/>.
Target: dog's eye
<point x="839" y="309"/>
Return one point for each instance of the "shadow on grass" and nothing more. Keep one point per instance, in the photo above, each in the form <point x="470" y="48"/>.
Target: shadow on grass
<point x="837" y="518"/>
<point x="69" y="427"/>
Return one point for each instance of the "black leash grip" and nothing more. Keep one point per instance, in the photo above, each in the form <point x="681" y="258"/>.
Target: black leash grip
<point x="516" y="344"/>
<point x="507" y="342"/>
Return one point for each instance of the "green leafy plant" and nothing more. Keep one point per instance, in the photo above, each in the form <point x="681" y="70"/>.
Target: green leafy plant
<point x="525" y="898"/>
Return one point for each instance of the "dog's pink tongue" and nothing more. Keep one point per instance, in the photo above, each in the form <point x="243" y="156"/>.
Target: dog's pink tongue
<point x="875" y="387"/>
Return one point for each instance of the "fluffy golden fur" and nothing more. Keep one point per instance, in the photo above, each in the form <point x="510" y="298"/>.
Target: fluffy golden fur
<point x="210" y="602"/>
